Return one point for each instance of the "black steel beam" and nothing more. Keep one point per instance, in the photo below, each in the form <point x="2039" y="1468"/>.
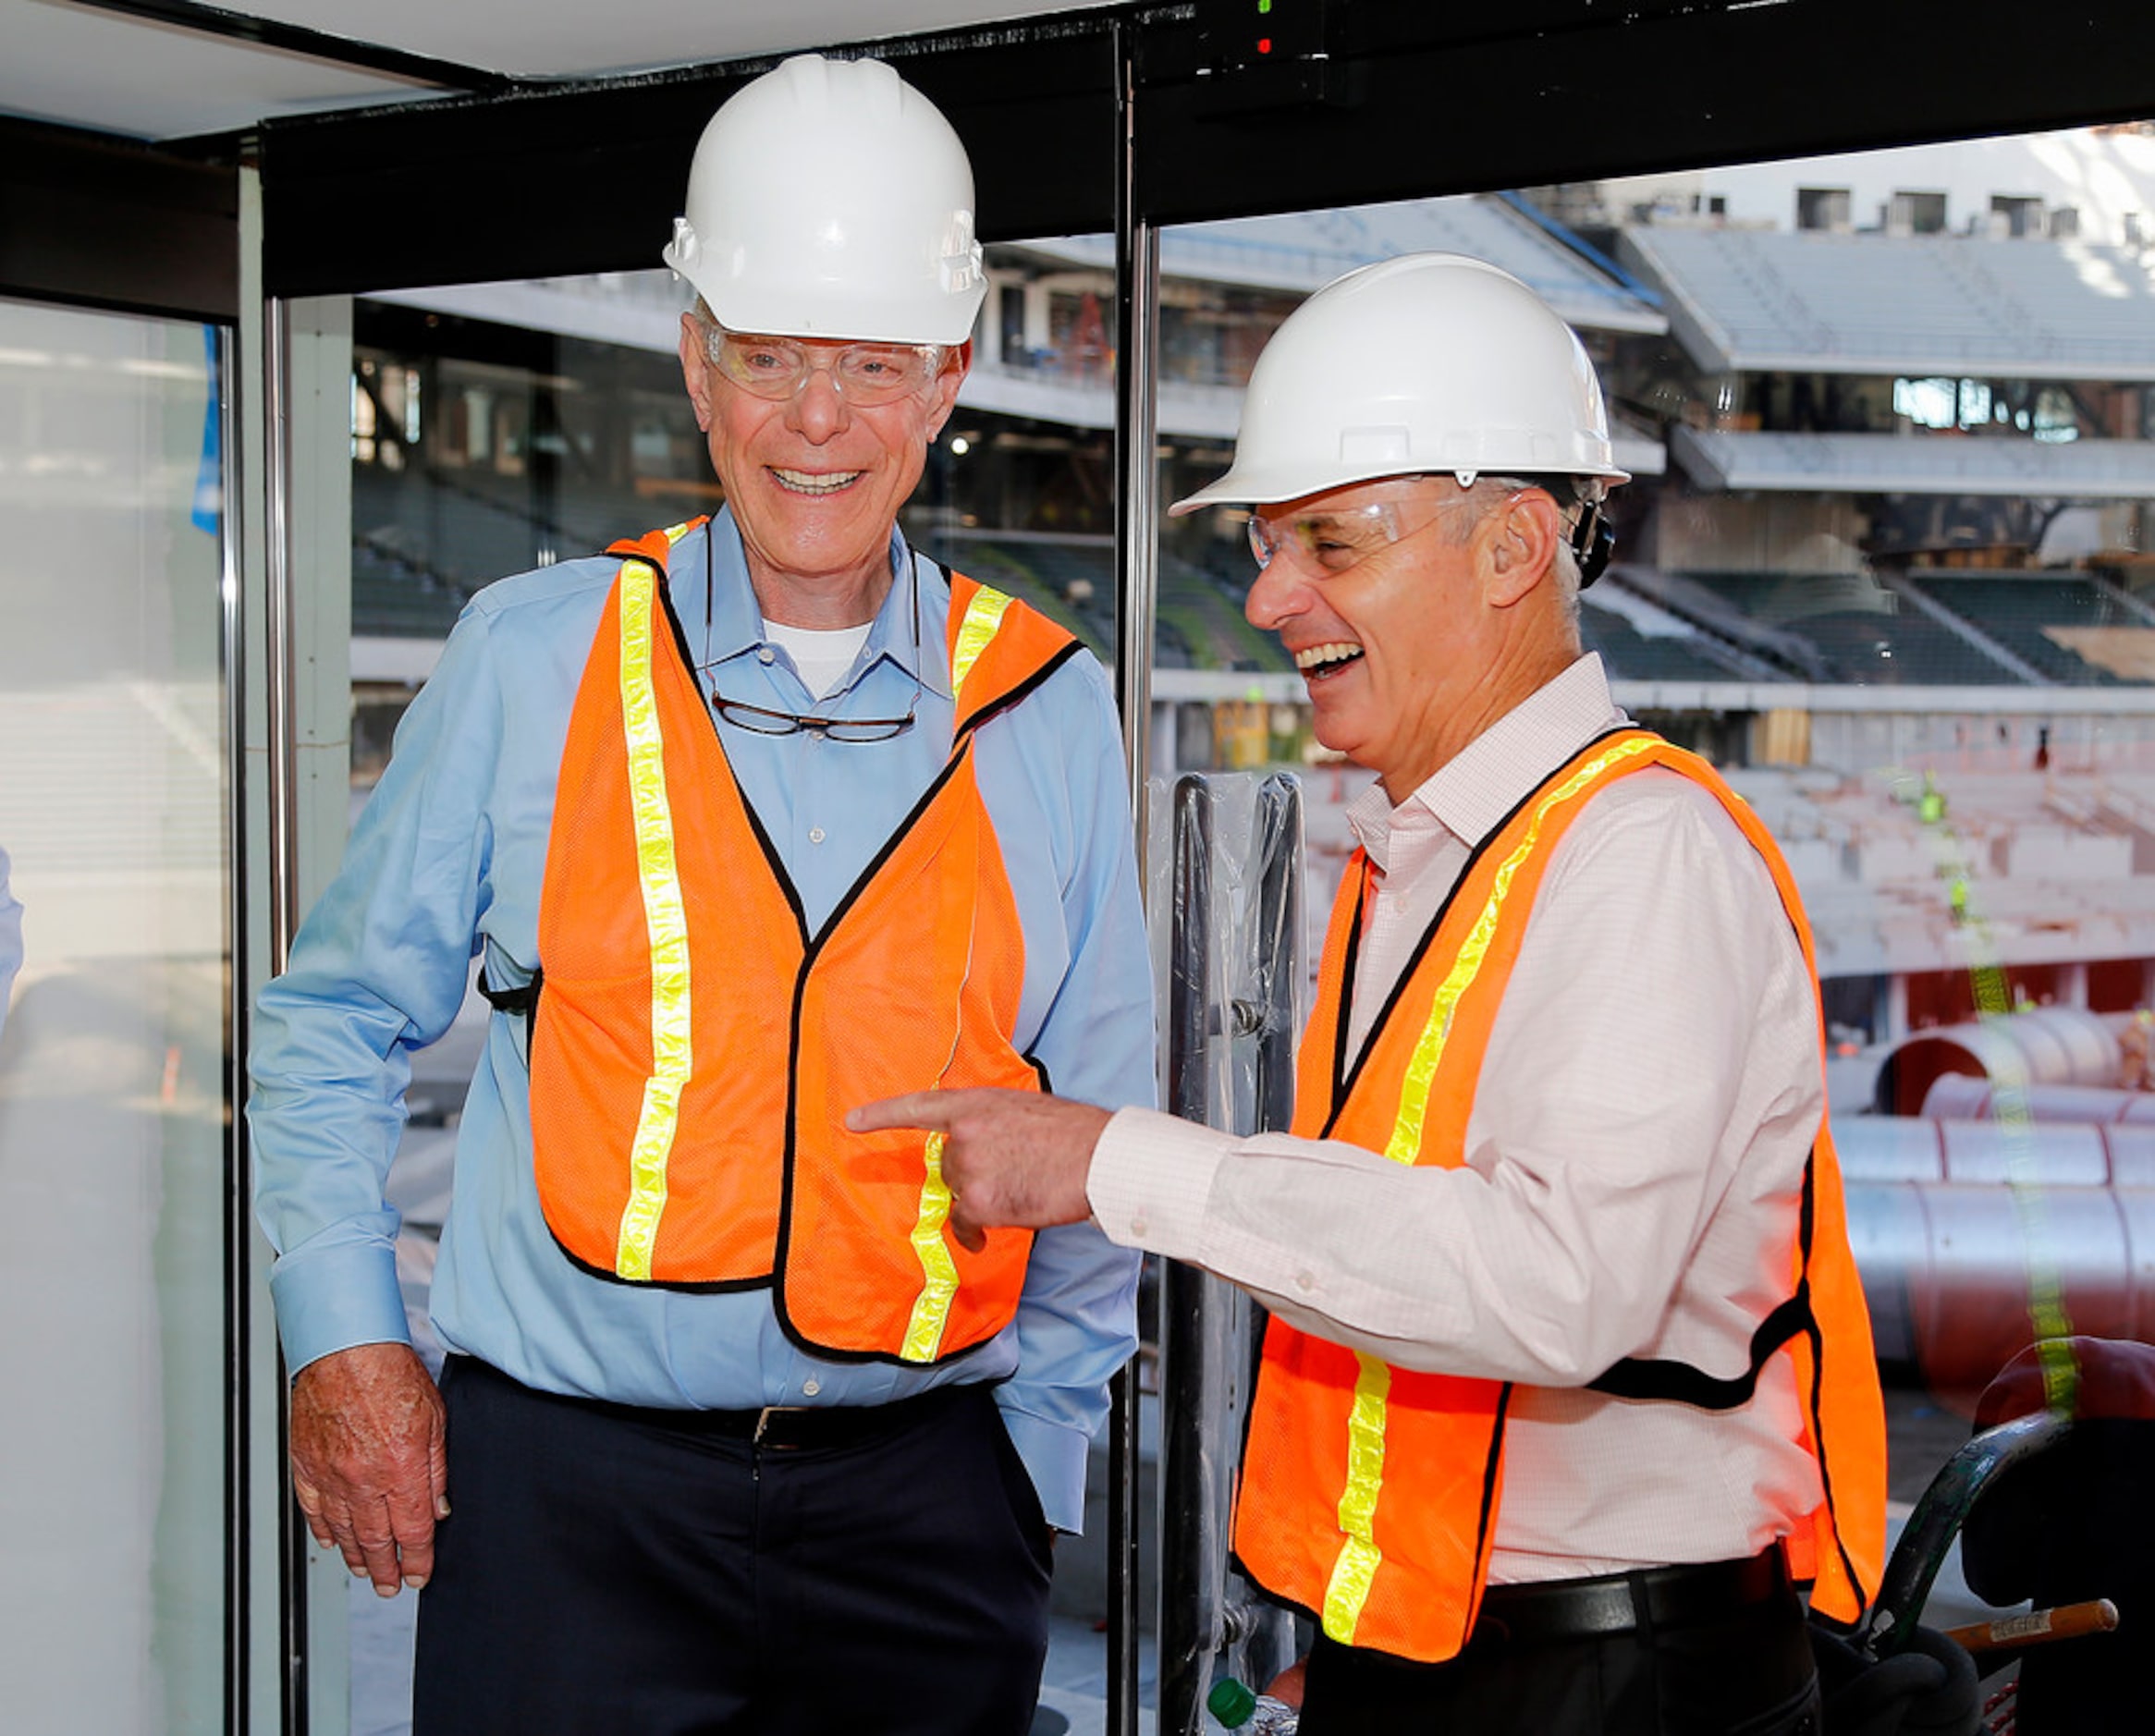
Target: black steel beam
<point x="297" y="39"/>
<point x="1425" y="101"/>
<point x="591" y="179"/>
<point x="88" y="218"/>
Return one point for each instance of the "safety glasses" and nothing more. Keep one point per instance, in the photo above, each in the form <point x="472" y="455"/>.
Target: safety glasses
<point x="1332" y="539"/>
<point x="778" y="368"/>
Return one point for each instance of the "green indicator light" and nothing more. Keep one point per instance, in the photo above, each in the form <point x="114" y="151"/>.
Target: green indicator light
<point x="1263" y="6"/>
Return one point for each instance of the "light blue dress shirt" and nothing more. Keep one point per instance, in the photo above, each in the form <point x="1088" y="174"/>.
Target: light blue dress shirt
<point x="447" y="862"/>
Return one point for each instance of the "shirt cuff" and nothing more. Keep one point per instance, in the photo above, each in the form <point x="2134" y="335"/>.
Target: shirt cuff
<point x="1151" y="1181"/>
<point x="1054" y="1458"/>
<point x="332" y="1299"/>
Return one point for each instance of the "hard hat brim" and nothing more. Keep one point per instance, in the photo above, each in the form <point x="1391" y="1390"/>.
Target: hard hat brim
<point x="1253" y="485"/>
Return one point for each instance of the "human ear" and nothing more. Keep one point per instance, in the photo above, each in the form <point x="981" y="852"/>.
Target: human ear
<point x="1523" y="538"/>
<point x="696" y="371"/>
<point x="944" y="396"/>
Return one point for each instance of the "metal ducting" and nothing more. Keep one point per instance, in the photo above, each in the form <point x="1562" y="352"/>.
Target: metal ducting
<point x="2048" y="1045"/>
<point x="1962" y="1098"/>
<point x="1949" y="1220"/>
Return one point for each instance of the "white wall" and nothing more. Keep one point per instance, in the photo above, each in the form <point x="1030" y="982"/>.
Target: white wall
<point x="2105" y="174"/>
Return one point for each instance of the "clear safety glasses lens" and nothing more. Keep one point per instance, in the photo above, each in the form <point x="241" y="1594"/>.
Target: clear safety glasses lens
<point x="863" y="374"/>
<point x="1327" y="542"/>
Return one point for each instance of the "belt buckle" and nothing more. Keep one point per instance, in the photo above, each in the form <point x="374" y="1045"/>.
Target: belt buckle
<point x="763" y="1421"/>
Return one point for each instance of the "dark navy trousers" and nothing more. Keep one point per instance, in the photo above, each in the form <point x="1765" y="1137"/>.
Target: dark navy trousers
<point x="640" y="1573"/>
<point x="1746" y="1672"/>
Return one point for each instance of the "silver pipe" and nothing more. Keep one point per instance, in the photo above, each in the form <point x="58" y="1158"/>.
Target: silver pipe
<point x="1951" y="1221"/>
<point x="281" y="788"/>
<point x="1136" y="312"/>
<point x="1137" y="290"/>
<point x="238" y="1218"/>
<point x="280" y="664"/>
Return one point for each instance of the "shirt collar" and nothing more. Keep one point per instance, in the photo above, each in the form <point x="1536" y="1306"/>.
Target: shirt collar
<point x="1472" y="791"/>
<point x="737" y="621"/>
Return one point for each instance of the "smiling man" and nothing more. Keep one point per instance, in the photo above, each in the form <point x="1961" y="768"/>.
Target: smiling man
<point x="1568" y="1388"/>
<point x="749" y="820"/>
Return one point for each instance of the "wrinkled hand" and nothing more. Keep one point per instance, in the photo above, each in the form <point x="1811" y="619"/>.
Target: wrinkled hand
<point x="370" y="1465"/>
<point x="1009" y="1157"/>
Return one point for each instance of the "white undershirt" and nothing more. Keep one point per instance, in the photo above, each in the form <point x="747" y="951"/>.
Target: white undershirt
<point x="822" y="654"/>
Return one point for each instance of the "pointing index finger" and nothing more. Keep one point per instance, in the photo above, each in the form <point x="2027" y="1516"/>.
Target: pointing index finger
<point x="917" y="1108"/>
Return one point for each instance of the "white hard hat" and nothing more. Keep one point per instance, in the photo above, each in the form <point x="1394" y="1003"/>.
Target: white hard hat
<point x="1429" y="362"/>
<point x="830" y="199"/>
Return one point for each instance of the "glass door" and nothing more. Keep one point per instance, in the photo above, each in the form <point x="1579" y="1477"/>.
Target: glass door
<point x="115" y="1106"/>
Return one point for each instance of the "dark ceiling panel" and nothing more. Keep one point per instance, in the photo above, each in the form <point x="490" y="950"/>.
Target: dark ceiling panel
<point x="88" y="218"/>
<point x="1432" y="101"/>
<point x="1424" y="99"/>
<point x="591" y="179"/>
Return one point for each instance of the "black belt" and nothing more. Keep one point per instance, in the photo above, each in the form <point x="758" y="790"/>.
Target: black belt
<point x="1691" y="1595"/>
<point x="774" y="1427"/>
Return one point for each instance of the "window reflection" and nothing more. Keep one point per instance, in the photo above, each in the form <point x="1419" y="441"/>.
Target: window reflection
<point x="113" y="1118"/>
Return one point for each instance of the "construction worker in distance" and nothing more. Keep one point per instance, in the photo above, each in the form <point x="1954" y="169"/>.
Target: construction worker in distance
<point x="1568" y="1385"/>
<point x="748" y="820"/>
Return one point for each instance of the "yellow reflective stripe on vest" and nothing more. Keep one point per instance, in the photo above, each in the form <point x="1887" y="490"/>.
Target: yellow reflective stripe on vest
<point x="931" y="1308"/>
<point x="1356" y="1567"/>
<point x="1355" y="1570"/>
<point x="1406" y="1134"/>
<point x="983" y="616"/>
<point x="666" y="919"/>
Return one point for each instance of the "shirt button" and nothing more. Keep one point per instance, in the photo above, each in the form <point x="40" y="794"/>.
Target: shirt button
<point x="1138" y="1226"/>
<point x="767" y="655"/>
<point x="808" y="1388"/>
<point x="1306" y="1281"/>
<point x="816" y="834"/>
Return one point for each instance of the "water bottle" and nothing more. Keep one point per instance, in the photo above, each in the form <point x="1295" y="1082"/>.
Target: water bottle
<point x="1241" y="1709"/>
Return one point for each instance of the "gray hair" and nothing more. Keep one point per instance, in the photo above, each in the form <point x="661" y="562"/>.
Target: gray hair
<point x="1573" y="495"/>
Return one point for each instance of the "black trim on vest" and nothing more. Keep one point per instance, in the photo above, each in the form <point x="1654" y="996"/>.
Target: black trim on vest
<point x="1343" y="1087"/>
<point x="1818" y="1412"/>
<point x="1491" y="1475"/>
<point x="961" y="751"/>
<point x="1484" y="1521"/>
<point x="1634" y="1378"/>
<point x="1023" y="690"/>
<point x="1337" y="1074"/>
<point x="899" y="833"/>
<point x="1654" y="1377"/>
<point x="673" y="618"/>
<point x="784" y="1241"/>
<point x="523" y="998"/>
<point x="755" y="820"/>
<point x="812" y="947"/>
<point x="706" y="1286"/>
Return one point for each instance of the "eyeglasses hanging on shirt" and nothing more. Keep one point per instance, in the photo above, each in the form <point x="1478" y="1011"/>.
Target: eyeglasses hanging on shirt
<point x="764" y="721"/>
<point x="760" y="721"/>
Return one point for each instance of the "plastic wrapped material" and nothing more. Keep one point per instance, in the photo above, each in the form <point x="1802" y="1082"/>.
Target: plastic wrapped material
<point x="1238" y="1708"/>
<point x="1229" y="884"/>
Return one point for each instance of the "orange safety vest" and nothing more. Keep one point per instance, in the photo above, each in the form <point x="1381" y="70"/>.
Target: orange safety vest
<point x="1369" y="1493"/>
<point x="695" y="1048"/>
